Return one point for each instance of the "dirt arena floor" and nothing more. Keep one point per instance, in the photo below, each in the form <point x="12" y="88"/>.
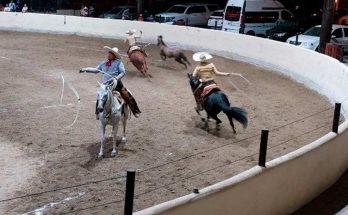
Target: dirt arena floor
<point x="40" y="152"/>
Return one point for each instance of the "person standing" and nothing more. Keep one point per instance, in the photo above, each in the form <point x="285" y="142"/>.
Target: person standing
<point x="12" y="6"/>
<point x="84" y="11"/>
<point x="25" y="8"/>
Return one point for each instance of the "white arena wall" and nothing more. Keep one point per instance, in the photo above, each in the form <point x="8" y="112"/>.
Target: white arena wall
<point x="289" y="181"/>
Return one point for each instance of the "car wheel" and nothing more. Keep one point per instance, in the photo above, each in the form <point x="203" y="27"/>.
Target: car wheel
<point x="251" y="33"/>
<point x="180" y="22"/>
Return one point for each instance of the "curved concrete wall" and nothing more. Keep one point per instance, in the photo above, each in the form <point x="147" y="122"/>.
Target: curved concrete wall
<point x="289" y="181"/>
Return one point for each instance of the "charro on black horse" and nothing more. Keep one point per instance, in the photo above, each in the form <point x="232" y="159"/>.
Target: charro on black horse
<point x="209" y="96"/>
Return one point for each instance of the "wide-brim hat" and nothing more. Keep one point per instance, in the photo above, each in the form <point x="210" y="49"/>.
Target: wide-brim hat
<point x="130" y="32"/>
<point x="113" y="50"/>
<point x="201" y="56"/>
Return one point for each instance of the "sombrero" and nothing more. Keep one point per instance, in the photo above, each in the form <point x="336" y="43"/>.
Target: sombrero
<point x="113" y="50"/>
<point x="130" y="32"/>
<point x="201" y="56"/>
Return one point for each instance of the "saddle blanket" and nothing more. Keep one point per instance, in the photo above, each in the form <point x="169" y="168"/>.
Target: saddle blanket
<point x="208" y="89"/>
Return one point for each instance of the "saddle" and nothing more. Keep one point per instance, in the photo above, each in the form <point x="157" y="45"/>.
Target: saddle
<point x="209" y="89"/>
<point x="136" y="48"/>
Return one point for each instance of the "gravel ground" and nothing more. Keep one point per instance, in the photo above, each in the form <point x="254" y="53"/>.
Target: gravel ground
<point x="40" y="152"/>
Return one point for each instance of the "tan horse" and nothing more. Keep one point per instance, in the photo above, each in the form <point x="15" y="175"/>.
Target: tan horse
<point x="138" y="59"/>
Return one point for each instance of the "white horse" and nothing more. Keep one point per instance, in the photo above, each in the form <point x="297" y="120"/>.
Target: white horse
<point x="111" y="111"/>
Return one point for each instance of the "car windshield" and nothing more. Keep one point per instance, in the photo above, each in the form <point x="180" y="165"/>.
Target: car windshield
<point x="315" y="31"/>
<point x="218" y="14"/>
<point x="115" y="11"/>
<point x="177" y="9"/>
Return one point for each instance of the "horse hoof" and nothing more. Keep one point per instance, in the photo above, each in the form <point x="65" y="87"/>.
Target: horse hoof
<point x="218" y="127"/>
<point x="100" y="157"/>
<point x="124" y="140"/>
<point x="113" y="154"/>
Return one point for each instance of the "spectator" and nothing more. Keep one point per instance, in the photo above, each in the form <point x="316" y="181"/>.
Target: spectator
<point x="91" y="11"/>
<point x="141" y="18"/>
<point x="7" y="8"/>
<point x="25" y="8"/>
<point x="18" y="5"/>
<point x="84" y="11"/>
<point x="126" y="14"/>
<point x="151" y="18"/>
<point x="12" y="6"/>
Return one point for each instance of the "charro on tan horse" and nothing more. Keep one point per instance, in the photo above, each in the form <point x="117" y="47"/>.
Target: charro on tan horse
<point x="136" y="53"/>
<point x="138" y="58"/>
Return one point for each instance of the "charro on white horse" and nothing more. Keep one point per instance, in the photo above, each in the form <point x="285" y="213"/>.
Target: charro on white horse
<point x="111" y="110"/>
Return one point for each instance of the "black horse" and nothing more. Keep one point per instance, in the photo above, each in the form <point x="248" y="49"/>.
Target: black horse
<point x="215" y="102"/>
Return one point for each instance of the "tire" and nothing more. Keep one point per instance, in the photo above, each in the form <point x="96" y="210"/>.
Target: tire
<point x="180" y="22"/>
<point x="251" y="33"/>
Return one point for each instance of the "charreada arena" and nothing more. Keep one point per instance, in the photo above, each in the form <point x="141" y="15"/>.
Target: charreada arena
<point x="171" y="160"/>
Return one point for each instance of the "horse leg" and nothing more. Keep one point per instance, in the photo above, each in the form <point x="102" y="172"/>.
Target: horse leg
<point x="232" y="124"/>
<point x="163" y="56"/>
<point x="147" y="70"/>
<point x="114" y="132"/>
<point x="179" y="60"/>
<point x="124" y="123"/>
<point x="218" y="122"/>
<point x="207" y="122"/>
<point x="102" y="139"/>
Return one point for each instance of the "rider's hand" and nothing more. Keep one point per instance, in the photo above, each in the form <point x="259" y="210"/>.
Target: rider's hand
<point x="141" y="32"/>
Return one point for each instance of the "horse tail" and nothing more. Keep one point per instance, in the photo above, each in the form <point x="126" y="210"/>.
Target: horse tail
<point x="234" y="112"/>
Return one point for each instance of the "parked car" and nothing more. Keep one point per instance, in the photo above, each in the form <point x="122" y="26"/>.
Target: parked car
<point x="2" y="7"/>
<point x="254" y="17"/>
<point x="215" y="20"/>
<point x="311" y="38"/>
<point x="192" y="14"/>
<point x="282" y="32"/>
<point x="119" y="12"/>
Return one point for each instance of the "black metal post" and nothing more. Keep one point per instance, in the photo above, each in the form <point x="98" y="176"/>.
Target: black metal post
<point x="326" y="24"/>
<point x="263" y="148"/>
<point x="336" y="119"/>
<point x="130" y="184"/>
<point x="216" y="24"/>
<point x="296" y="42"/>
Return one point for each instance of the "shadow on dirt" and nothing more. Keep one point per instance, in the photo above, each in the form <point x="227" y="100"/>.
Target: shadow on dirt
<point x="93" y="151"/>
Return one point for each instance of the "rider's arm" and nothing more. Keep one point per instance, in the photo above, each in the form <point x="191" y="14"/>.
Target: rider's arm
<point x="138" y="36"/>
<point x="195" y="72"/>
<point x="92" y="69"/>
<point x="217" y="71"/>
<point x="121" y="70"/>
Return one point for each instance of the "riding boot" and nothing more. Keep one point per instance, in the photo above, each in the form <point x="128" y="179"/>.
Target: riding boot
<point x="130" y="101"/>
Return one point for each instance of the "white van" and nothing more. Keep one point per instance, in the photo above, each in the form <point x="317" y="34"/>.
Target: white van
<point x="254" y="17"/>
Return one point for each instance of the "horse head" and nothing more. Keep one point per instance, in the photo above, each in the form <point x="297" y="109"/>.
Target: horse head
<point x="160" y="41"/>
<point x="194" y="82"/>
<point x="102" y="97"/>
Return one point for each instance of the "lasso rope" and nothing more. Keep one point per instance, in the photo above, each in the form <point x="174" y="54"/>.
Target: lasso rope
<point x="63" y="85"/>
